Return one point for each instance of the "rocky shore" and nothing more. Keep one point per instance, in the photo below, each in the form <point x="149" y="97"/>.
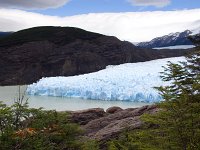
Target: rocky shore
<point x="105" y="125"/>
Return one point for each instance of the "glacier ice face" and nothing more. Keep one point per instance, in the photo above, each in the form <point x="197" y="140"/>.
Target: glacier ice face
<point x="176" y="47"/>
<point x="126" y="82"/>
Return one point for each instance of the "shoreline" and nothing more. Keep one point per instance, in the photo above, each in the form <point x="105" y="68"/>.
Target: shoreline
<point x="103" y="125"/>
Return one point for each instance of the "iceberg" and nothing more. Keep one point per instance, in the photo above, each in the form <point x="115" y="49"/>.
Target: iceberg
<point x="125" y="82"/>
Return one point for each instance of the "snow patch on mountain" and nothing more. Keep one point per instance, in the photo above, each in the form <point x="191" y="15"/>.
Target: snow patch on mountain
<point x="172" y="39"/>
<point x="126" y="82"/>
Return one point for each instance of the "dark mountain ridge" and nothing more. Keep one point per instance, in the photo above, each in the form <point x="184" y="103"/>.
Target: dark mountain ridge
<point x="56" y="35"/>
<point x="28" y="55"/>
<point x="4" y="34"/>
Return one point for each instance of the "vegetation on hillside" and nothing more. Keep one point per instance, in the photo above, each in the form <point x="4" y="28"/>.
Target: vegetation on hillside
<point x="58" y="35"/>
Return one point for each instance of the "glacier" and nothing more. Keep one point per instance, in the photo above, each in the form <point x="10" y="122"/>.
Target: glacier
<point x="176" y="47"/>
<point x="125" y="82"/>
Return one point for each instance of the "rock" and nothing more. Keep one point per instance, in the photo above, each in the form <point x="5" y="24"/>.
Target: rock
<point x="103" y="126"/>
<point x="85" y="116"/>
<point x="113" y="109"/>
<point x="115" y="127"/>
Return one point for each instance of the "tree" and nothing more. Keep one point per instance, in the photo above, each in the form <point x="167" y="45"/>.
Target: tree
<point x="178" y="122"/>
<point x="27" y="128"/>
<point x="177" y="125"/>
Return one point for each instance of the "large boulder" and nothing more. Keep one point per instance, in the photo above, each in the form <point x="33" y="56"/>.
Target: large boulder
<point x="103" y="126"/>
<point x="85" y="116"/>
<point x="111" y="125"/>
<point x="113" y="110"/>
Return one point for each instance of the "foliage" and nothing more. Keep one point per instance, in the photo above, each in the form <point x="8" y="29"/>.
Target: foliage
<point x="132" y="140"/>
<point x="177" y="125"/>
<point x="90" y="145"/>
<point x="27" y="128"/>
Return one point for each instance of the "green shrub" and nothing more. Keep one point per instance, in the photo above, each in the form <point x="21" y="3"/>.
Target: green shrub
<point x="27" y="128"/>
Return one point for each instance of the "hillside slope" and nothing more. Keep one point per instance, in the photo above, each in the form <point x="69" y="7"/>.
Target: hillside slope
<point x="28" y="55"/>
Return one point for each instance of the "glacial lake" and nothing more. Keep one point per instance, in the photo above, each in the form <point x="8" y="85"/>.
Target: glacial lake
<point x="9" y="93"/>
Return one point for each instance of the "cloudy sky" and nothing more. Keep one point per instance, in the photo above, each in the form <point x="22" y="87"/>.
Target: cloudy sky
<point x="132" y="20"/>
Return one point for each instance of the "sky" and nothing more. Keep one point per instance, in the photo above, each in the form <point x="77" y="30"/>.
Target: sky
<point x="131" y="20"/>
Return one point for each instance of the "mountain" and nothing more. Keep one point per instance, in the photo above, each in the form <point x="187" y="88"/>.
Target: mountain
<point x="3" y="34"/>
<point x="28" y="55"/>
<point x="173" y="39"/>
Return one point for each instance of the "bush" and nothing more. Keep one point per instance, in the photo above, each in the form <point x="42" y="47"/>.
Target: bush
<point x="26" y="128"/>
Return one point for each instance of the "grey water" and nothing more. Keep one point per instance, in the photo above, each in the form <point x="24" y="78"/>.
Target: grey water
<point x="8" y="94"/>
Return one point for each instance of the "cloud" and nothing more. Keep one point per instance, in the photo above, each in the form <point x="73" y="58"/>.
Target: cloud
<point x="130" y="26"/>
<point x="32" y="4"/>
<point x="156" y="3"/>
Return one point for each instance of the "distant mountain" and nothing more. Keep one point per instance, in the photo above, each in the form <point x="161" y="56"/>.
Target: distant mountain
<point x="173" y="39"/>
<point x="3" y="34"/>
<point x="28" y="55"/>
